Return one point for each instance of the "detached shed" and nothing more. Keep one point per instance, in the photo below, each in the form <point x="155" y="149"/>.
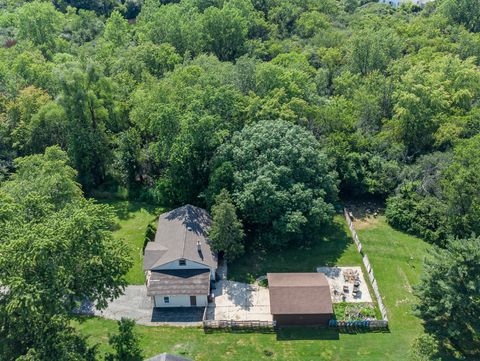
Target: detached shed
<point x="298" y="299"/>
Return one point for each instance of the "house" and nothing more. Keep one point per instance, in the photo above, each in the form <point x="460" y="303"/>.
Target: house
<point x="397" y="3"/>
<point x="300" y="299"/>
<point x="167" y="357"/>
<point x="179" y="264"/>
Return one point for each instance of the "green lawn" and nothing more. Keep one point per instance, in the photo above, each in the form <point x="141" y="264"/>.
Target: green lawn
<point x="133" y="219"/>
<point x="396" y="259"/>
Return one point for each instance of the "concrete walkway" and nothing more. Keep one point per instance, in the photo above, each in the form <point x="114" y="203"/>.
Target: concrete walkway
<point x="240" y="301"/>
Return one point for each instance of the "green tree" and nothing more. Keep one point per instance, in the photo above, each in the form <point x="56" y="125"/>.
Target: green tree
<point x="117" y="30"/>
<point x="19" y="117"/>
<point x="35" y="122"/>
<point x="226" y="233"/>
<point x="432" y="93"/>
<point x="126" y="343"/>
<point x="151" y="59"/>
<point x="46" y="174"/>
<point x="57" y="249"/>
<point x="309" y="23"/>
<point x="179" y="25"/>
<point x="101" y="7"/>
<point x="83" y="25"/>
<point x="283" y="185"/>
<point x="461" y="184"/>
<point x="40" y="23"/>
<point x="465" y="12"/>
<point x="225" y="31"/>
<point x="181" y="120"/>
<point x="373" y="49"/>
<point x="449" y="301"/>
<point x="421" y="215"/>
<point x="88" y="100"/>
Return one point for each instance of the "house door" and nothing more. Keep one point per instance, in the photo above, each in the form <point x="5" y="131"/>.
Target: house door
<point x="193" y="300"/>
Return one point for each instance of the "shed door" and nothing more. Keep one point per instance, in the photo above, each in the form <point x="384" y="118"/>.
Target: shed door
<point x="193" y="300"/>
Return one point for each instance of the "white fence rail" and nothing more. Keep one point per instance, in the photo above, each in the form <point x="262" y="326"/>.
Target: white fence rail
<point x="368" y="266"/>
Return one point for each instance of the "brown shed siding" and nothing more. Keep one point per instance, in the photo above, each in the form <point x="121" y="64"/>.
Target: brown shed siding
<point x="302" y="320"/>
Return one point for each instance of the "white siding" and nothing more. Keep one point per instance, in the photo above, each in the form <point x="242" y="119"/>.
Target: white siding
<point x="397" y="3"/>
<point x="188" y="265"/>
<point x="180" y="301"/>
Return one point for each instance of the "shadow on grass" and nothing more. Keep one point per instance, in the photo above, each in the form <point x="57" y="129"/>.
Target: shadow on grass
<point x="307" y="333"/>
<point x="364" y="208"/>
<point x="81" y="318"/>
<point x="240" y="330"/>
<point x="324" y="251"/>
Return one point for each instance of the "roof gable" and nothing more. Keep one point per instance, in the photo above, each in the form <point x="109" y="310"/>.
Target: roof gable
<point x="181" y="234"/>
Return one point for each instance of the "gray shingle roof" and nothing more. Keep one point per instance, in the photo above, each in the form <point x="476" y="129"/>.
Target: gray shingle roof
<point x="178" y="233"/>
<point x="179" y="282"/>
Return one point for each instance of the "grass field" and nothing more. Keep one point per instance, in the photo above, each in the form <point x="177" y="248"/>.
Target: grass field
<point x="396" y="259"/>
<point x="133" y="219"/>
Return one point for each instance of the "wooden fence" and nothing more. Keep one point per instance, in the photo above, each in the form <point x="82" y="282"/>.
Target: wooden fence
<point x="356" y="325"/>
<point x="368" y="267"/>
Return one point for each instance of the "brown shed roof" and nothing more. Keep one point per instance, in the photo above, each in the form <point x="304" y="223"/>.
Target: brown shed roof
<point x="299" y="293"/>
<point x="179" y="282"/>
<point x="178" y="234"/>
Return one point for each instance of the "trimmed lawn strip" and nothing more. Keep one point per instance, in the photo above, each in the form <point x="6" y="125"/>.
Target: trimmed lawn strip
<point x="397" y="262"/>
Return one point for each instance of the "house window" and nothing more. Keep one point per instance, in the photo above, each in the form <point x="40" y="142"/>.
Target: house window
<point x="166" y="299"/>
<point x="182" y="262"/>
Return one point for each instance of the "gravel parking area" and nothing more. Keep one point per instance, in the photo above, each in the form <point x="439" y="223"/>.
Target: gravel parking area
<point x="136" y="305"/>
<point x="240" y="302"/>
<point x="335" y="277"/>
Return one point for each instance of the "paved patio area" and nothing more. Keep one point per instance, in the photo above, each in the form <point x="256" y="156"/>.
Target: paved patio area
<point x="240" y="302"/>
<point x="336" y="280"/>
<point x="136" y="305"/>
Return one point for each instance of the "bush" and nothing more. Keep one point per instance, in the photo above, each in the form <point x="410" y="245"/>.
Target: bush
<point x="423" y="216"/>
<point x="149" y="234"/>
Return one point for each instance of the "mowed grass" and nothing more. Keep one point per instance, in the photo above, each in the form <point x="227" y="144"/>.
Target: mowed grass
<point x="397" y="262"/>
<point x="286" y="345"/>
<point x="133" y="219"/>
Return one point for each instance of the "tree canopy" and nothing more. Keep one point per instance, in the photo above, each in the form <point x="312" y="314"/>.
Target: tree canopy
<point x="448" y="295"/>
<point x="287" y="105"/>
<point x="56" y="249"/>
<point x="280" y="180"/>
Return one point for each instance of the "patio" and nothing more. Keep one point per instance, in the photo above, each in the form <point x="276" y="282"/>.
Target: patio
<point x="344" y="281"/>
<point x="239" y="301"/>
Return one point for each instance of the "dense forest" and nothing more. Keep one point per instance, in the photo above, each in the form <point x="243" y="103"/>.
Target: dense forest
<point x="267" y="112"/>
